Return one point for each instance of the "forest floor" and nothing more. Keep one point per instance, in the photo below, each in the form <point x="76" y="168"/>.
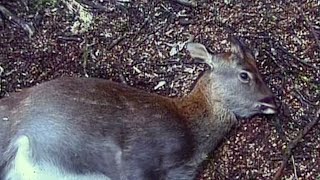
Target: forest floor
<point x="139" y="43"/>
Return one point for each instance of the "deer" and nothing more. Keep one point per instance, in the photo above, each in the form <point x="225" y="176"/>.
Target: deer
<point x="76" y="128"/>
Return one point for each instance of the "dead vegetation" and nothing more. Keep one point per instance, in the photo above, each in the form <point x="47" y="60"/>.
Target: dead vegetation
<point x="140" y="43"/>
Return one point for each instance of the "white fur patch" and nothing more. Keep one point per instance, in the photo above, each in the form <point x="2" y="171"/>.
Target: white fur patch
<point x="269" y="111"/>
<point x="23" y="168"/>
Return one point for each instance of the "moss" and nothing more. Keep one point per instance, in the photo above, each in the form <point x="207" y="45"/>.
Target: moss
<point x="304" y="78"/>
<point x="85" y="17"/>
<point x="83" y="23"/>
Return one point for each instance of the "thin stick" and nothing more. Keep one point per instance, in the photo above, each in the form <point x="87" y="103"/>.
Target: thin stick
<point x="189" y="3"/>
<point x="15" y="19"/>
<point x="283" y="49"/>
<point x="294" y="168"/>
<point x="292" y="144"/>
<point x="116" y="42"/>
<point x="303" y="97"/>
<point x="310" y="26"/>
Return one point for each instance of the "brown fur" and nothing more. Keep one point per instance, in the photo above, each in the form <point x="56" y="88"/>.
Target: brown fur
<point x="94" y="126"/>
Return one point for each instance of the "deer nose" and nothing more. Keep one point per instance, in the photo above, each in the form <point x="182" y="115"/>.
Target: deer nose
<point x="267" y="105"/>
<point x="268" y="100"/>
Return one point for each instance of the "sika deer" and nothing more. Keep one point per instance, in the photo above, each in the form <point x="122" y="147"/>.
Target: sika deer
<point x="86" y="128"/>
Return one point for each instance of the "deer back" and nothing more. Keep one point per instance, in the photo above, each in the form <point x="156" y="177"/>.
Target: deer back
<point x="87" y="128"/>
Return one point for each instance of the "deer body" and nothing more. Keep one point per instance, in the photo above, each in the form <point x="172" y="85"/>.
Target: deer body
<point x="75" y="128"/>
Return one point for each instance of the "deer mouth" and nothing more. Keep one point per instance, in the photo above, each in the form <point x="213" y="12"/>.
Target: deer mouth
<point x="266" y="108"/>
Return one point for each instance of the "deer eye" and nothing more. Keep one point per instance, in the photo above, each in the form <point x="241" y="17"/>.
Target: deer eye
<point x="244" y="77"/>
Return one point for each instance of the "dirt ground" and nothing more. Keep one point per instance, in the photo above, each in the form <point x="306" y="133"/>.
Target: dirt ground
<point x="139" y="43"/>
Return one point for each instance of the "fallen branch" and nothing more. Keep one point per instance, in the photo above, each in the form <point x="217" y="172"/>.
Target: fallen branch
<point x="292" y="144"/>
<point x="15" y="19"/>
<point x="144" y="24"/>
<point x="303" y="97"/>
<point x="189" y="3"/>
<point x="310" y="26"/>
<point x="275" y="61"/>
<point x="284" y="50"/>
<point x="116" y="42"/>
<point x="164" y="26"/>
<point x="70" y="38"/>
<point x="279" y="46"/>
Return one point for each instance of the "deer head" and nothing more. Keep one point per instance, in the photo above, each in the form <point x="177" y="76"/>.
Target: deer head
<point x="236" y="80"/>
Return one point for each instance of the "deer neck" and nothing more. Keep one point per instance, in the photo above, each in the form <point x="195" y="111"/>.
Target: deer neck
<point x="206" y="116"/>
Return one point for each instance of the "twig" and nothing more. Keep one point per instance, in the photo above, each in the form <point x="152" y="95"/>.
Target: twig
<point x="294" y="57"/>
<point x="280" y="66"/>
<point x="278" y="45"/>
<point x="279" y="129"/>
<point x="116" y="42"/>
<point x="292" y="144"/>
<point x="294" y="168"/>
<point x="284" y="50"/>
<point x="15" y="19"/>
<point x="148" y="34"/>
<point x="189" y="3"/>
<point x="310" y="26"/>
<point x="70" y="38"/>
<point x="146" y="21"/>
<point x="302" y="97"/>
<point x="85" y="56"/>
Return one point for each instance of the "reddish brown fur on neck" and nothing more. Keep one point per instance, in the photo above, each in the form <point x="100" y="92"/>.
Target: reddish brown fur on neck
<point x="196" y="105"/>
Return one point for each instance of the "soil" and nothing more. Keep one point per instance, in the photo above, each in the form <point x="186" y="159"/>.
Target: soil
<point x="137" y="43"/>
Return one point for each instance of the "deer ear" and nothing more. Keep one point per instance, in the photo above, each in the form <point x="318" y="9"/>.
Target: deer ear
<point x="237" y="47"/>
<point x="199" y="51"/>
<point x="241" y="50"/>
